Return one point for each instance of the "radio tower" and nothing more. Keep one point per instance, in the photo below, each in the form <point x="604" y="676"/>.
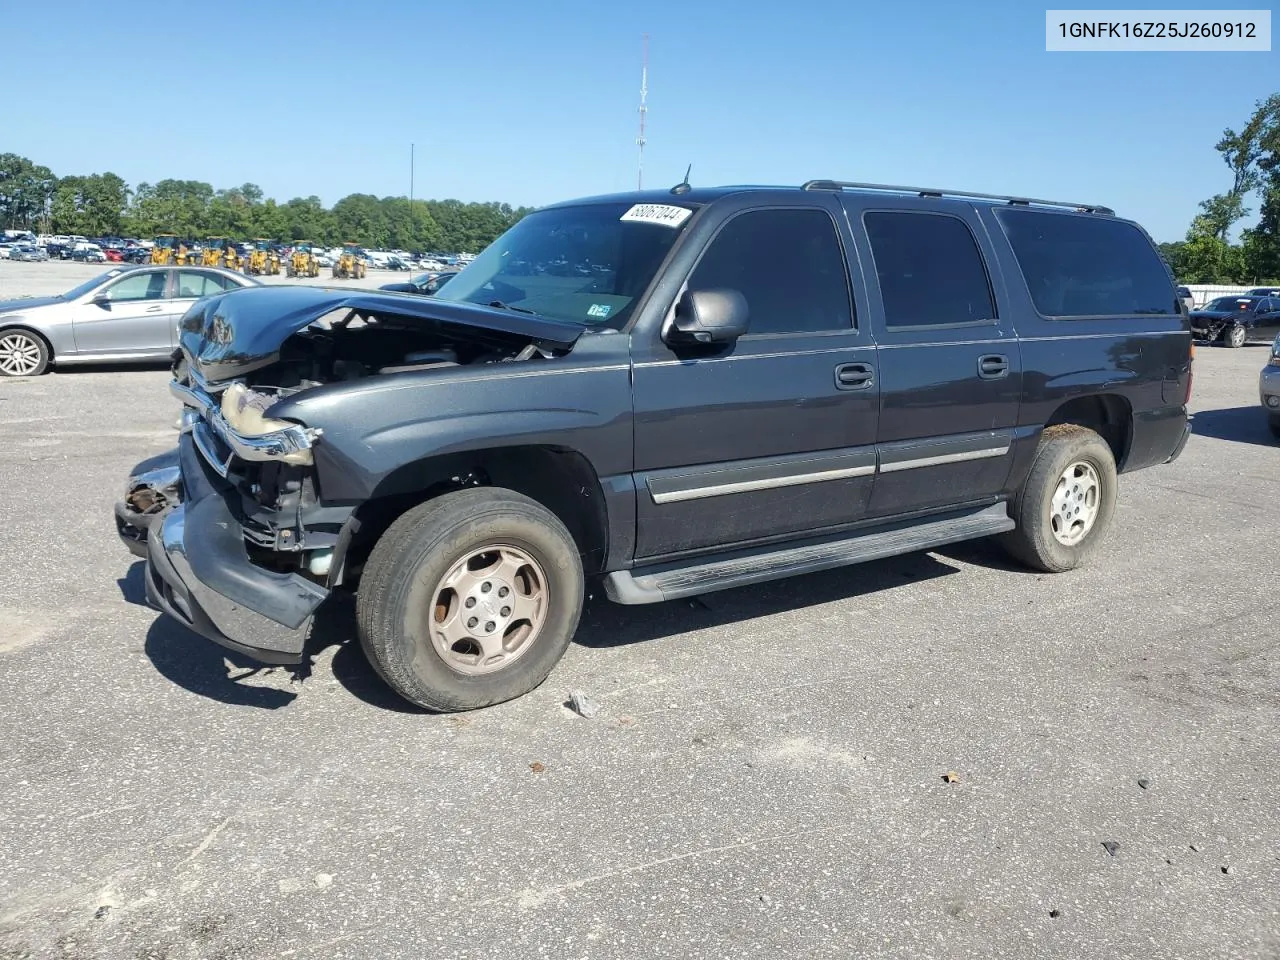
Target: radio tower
<point x="644" y="94"/>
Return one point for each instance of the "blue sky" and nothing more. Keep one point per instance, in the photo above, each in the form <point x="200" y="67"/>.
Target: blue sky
<point x="534" y="102"/>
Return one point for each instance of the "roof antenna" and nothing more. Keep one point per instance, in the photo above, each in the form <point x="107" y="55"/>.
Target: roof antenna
<point x="683" y="185"/>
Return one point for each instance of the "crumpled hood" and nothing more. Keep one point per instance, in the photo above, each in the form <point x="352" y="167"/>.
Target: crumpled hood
<point x="17" y="306"/>
<point x="232" y="334"/>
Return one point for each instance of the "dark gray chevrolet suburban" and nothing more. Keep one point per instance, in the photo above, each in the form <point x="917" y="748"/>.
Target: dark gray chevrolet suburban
<point x="677" y="392"/>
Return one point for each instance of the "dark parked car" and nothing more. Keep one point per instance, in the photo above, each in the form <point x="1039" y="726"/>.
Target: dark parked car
<point x="1234" y="321"/>
<point x="1187" y="298"/>
<point x="765" y="382"/>
<point x="1264" y="292"/>
<point x="427" y="284"/>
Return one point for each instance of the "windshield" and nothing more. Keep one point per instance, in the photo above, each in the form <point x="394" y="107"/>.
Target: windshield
<point x="77" y="292"/>
<point x="1228" y="303"/>
<point x="166" y="242"/>
<point x="587" y="264"/>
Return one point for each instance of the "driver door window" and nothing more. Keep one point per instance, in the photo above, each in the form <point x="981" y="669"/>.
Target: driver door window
<point x="139" y="286"/>
<point x="789" y="266"/>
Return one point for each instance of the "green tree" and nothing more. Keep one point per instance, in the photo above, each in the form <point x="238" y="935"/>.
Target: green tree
<point x="25" y="192"/>
<point x="92" y="206"/>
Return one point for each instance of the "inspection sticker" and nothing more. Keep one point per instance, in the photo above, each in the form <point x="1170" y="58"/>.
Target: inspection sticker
<point x="668" y="216"/>
<point x="599" y="310"/>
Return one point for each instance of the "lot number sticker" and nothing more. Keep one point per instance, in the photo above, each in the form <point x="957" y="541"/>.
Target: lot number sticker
<point x="662" y="213"/>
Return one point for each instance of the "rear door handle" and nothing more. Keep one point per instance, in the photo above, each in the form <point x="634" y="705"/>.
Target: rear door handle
<point x="854" y="376"/>
<point x="993" y="366"/>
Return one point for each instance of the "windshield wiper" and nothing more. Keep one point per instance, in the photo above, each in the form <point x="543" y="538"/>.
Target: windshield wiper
<point x="501" y="305"/>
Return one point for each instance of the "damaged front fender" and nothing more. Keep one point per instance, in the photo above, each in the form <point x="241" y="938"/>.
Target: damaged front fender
<point x="154" y="487"/>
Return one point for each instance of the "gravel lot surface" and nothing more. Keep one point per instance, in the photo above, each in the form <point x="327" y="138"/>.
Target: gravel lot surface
<point x="766" y="777"/>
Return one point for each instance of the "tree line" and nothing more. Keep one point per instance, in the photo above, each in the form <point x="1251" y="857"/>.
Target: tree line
<point x="104" y="205"/>
<point x="1252" y="158"/>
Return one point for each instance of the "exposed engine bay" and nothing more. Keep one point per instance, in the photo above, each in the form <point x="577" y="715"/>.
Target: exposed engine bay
<point x="356" y="346"/>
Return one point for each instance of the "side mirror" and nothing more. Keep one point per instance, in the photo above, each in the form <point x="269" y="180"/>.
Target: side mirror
<point x="102" y="299"/>
<point x="709" y="316"/>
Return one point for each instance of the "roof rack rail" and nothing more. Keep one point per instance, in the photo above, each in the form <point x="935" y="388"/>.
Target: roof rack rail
<point x="930" y="192"/>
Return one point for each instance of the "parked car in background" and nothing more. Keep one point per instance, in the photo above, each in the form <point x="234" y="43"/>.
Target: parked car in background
<point x="1234" y="321"/>
<point x="28" y="252"/>
<point x="88" y="253"/>
<point x="127" y="313"/>
<point x="1264" y="292"/>
<point x="1188" y="300"/>
<point x="1269" y="388"/>
<point x="425" y="283"/>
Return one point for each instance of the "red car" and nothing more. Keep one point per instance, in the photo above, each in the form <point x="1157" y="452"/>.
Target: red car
<point x="115" y="256"/>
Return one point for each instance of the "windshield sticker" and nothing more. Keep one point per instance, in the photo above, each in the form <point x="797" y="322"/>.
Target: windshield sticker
<point x="599" y="310"/>
<point x="662" y="213"/>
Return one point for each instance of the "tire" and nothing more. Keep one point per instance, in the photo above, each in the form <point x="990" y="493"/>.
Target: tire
<point x="400" y="599"/>
<point x="22" y="353"/>
<point x="1235" y="336"/>
<point x="1034" y="541"/>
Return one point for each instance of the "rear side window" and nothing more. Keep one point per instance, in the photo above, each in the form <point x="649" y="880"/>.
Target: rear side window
<point x="1087" y="266"/>
<point x="930" y="270"/>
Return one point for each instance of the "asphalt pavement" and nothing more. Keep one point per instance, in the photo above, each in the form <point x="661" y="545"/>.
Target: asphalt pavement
<point x="768" y="775"/>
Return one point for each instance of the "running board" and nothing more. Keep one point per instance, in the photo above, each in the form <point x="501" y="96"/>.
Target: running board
<point x="739" y="569"/>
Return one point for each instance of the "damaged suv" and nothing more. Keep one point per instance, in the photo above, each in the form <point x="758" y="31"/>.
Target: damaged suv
<point x="678" y="392"/>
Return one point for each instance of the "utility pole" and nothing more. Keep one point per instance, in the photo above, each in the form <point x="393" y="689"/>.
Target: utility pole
<point x="644" y="109"/>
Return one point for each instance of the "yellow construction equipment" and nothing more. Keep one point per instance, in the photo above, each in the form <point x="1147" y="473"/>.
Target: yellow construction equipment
<point x="303" y="262"/>
<point x="351" y="264"/>
<point x="220" y="252"/>
<point x="169" y="249"/>
<point x="263" y="258"/>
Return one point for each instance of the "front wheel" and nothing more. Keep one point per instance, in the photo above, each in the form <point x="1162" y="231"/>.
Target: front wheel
<point x="1235" y="335"/>
<point x="470" y="599"/>
<point x="1066" y="502"/>
<point x="22" y="354"/>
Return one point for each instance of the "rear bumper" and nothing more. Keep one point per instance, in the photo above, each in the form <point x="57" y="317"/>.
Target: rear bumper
<point x="1181" y="445"/>
<point x="199" y="572"/>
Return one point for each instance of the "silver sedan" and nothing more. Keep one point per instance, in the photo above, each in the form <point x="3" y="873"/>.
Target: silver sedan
<point x="127" y="313"/>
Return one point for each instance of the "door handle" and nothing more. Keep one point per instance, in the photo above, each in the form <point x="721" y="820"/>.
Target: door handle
<point x="854" y="376"/>
<point x="993" y="366"/>
<point x="154" y="309"/>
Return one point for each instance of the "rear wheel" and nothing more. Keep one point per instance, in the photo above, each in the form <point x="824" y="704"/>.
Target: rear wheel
<point x="22" y="354"/>
<point x="1066" y="502"/>
<point x="470" y="599"/>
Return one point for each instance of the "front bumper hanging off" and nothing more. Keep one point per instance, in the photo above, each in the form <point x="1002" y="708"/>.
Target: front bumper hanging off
<point x="199" y="572"/>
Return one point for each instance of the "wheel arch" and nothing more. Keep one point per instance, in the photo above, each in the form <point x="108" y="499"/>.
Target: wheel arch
<point x="25" y="328"/>
<point x="560" y="478"/>
<point x="1109" y="415"/>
